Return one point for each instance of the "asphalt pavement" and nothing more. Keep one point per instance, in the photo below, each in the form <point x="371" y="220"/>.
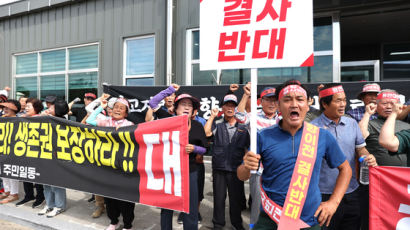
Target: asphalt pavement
<point x="79" y="210"/>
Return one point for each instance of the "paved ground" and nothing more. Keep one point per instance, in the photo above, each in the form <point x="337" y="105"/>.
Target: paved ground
<point x="10" y="225"/>
<point x="78" y="214"/>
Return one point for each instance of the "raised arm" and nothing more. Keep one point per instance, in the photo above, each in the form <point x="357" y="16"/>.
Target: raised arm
<point x="154" y="102"/>
<point x="405" y="112"/>
<point x="208" y="124"/>
<point x="387" y="139"/>
<point x="245" y="97"/>
<point x="92" y="119"/>
<point x="364" y="123"/>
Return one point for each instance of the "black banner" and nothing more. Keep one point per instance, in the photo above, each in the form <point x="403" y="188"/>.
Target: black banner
<point x="211" y="96"/>
<point x="100" y="160"/>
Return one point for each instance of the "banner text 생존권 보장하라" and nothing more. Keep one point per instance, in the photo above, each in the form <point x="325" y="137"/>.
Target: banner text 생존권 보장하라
<point x="144" y="163"/>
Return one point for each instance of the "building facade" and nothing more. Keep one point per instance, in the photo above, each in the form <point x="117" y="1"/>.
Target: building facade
<point x="68" y="47"/>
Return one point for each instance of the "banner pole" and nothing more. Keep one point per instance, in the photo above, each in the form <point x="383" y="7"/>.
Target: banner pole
<point x="254" y="93"/>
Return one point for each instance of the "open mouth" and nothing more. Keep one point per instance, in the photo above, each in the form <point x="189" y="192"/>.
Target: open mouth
<point x="294" y="115"/>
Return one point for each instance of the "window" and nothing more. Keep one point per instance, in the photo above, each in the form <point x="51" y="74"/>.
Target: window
<point x="210" y="77"/>
<point x="396" y="61"/>
<point x="66" y="72"/>
<point x="139" y="61"/>
<point x="322" y="71"/>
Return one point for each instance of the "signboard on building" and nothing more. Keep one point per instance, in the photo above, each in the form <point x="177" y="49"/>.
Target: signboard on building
<point x="237" y="34"/>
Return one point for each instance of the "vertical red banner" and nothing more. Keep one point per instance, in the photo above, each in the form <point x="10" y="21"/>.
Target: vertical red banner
<point x="389" y="198"/>
<point x="163" y="164"/>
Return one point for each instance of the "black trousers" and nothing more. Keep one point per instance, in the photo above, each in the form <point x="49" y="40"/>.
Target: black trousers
<point x="29" y="191"/>
<point x="201" y="181"/>
<point x="347" y="215"/>
<point x="222" y="181"/>
<point x="364" y="206"/>
<point x="190" y="221"/>
<point x="116" y="207"/>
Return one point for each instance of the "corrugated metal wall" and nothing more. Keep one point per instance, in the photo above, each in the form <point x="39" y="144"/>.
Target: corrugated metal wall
<point x="186" y="17"/>
<point x="105" y="21"/>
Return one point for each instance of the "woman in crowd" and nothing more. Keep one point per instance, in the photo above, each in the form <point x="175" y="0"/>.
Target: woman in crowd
<point x="55" y="197"/>
<point x="11" y="187"/>
<point x="33" y="108"/>
<point x="184" y="104"/>
<point x="118" y="119"/>
<point x="90" y="108"/>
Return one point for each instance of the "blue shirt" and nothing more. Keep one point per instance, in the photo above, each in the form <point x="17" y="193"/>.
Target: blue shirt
<point x="200" y="120"/>
<point x="349" y="137"/>
<point x="279" y="150"/>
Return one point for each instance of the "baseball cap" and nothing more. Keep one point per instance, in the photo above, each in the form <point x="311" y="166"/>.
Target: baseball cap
<point x="268" y="92"/>
<point x="195" y="101"/>
<point x="51" y="99"/>
<point x="230" y="98"/>
<point x="369" y="88"/>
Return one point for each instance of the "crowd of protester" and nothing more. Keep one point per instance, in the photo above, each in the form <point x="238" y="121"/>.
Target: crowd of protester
<point x="379" y="132"/>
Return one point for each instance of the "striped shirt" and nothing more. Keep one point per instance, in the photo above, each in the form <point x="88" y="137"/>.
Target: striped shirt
<point x="262" y="121"/>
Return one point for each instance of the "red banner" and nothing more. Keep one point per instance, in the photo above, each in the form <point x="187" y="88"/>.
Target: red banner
<point x="389" y="198"/>
<point x="163" y="163"/>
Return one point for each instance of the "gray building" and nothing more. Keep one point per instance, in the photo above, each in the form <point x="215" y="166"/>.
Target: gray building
<point x="69" y="47"/>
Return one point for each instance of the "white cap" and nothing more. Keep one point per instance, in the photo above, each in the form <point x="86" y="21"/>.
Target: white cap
<point x="4" y="92"/>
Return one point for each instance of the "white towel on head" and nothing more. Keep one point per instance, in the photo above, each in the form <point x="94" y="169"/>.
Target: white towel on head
<point x="4" y="92"/>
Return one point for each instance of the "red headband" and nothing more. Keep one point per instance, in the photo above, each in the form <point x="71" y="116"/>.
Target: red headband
<point x="331" y="91"/>
<point x="90" y="95"/>
<point x="292" y="89"/>
<point x="388" y="95"/>
<point x="268" y="91"/>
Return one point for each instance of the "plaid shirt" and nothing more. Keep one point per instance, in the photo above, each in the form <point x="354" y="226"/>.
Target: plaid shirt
<point x="358" y="113"/>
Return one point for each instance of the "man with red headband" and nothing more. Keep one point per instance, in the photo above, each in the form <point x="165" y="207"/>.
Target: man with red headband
<point x="395" y="142"/>
<point x="332" y="99"/>
<point x="266" y="117"/>
<point x="371" y="129"/>
<point x="292" y="154"/>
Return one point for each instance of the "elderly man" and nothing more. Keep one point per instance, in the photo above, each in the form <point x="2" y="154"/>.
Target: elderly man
<point x="368" y="95"/>
<point x="391" y="140"/>
<point x="350" y="139"/>
<point x="287" y="152"/>
<point x="230" y="140"/>
<point x="371" y="129"/>
<point x="371" y="132"/>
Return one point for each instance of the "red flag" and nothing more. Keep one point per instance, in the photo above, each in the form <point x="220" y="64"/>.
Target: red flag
<point x="163" y="163"/>
<point x="389" y="198"/>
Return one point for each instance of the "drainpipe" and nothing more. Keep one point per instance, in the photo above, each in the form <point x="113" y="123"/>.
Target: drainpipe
<point x="169" y="41"/>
